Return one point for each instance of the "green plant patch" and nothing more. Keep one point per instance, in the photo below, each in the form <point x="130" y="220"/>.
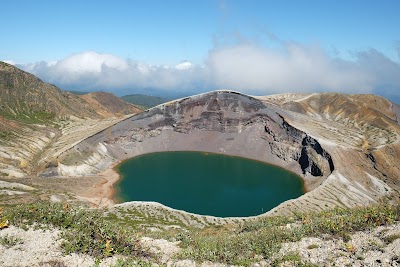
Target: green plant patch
<point x="31" y="117"/>
<point x="391" y="238"/>
<point x="91" y="232"/>
<point x="83" y="231"/>
<point x="259" y="239"/>
<point x="10" y="241"/>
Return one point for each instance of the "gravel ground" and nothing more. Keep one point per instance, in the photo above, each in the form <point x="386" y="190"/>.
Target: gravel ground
<point x="36" y="247"/>
<point x="364" y="249"/>
<point x="40" y="248"/>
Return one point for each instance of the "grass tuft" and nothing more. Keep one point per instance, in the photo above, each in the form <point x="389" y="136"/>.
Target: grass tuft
<point x="391" y="238"/>
<point x="10" y="241"/>
<point x="312" y="246"/>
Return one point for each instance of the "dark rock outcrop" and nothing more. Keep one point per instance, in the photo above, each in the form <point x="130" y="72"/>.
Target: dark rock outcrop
<point x="289" y="143"/>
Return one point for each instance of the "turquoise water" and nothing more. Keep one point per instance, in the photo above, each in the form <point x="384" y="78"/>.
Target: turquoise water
<point x="207" y="184"/>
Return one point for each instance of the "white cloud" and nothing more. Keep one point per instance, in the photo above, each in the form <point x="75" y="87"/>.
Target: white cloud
<point x="245" y="67"/>
<point x="93" y="71"/>
<point x="9" y="62"/>
<point x="91" y="62"/>
<point x="298" y="68"/>
<point x="184" y="65"/>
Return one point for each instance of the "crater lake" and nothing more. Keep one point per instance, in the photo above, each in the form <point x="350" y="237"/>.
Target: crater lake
<point x="206" y="183"/>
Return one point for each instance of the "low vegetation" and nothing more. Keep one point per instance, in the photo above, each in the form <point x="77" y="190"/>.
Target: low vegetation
<point x="10" y="241"/>
<point x="391" y="238"/>
<point x="83" y="231"/>
<point x="31" y="117"/>
<point x="91" y="232"/>
<point x="294" y="259"/>
<point x="261" y="238"/>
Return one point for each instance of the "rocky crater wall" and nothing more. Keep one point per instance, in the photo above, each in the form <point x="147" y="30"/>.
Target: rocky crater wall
<point x="335" y="173"/>
<point x="220" y="122"/>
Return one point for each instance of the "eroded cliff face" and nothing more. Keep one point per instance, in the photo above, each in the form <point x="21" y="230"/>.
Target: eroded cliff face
<point x="300" y="147"/>
<point x="326" y="151"/>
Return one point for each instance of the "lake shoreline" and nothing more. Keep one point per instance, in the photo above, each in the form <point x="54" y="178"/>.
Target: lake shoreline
<point x="124" y="193"/>
<point x="106" y="194"/>
<point x="103" y="194"/>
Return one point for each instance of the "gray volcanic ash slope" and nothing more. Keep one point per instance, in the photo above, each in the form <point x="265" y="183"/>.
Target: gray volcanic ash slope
<point x="345" y="147"/>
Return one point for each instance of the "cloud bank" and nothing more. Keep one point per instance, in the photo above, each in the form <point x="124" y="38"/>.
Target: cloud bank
<point x="90" y="71"/>
<point x="249" y="68"/>
<point x="296" y="69"/>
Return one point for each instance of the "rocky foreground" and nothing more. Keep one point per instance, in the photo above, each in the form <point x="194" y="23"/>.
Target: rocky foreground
<point x="43" y="246"/>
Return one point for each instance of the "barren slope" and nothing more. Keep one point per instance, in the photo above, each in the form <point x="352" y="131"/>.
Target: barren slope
<point x="108" y="105"/>
<point x="38" y="120"/>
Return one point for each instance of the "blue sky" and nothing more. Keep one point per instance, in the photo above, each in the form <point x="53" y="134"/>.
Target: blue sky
<point x="138" y="34"/>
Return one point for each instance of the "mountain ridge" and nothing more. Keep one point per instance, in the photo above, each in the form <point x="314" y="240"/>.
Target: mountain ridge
<point x="146" y="101"/>
<point x="26" y="98"/>
<point x="38" y="119"/>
